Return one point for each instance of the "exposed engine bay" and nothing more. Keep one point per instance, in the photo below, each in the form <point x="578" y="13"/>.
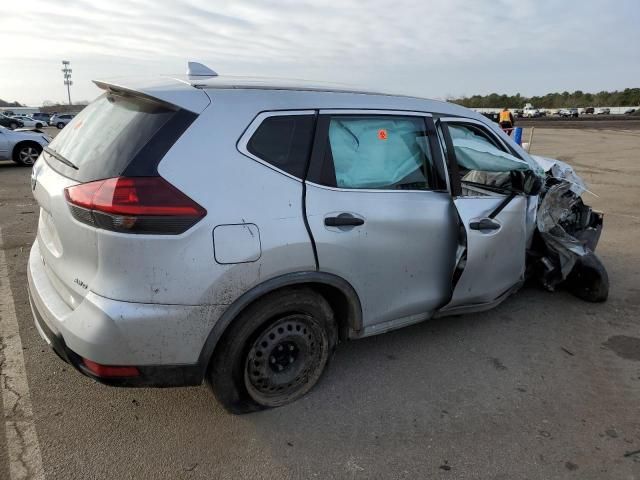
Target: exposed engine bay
<point x="562" y="251"/>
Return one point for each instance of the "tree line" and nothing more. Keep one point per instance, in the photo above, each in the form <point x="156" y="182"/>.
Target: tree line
<point x="624" y="98"/>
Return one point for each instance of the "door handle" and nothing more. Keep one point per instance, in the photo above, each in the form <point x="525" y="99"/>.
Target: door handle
<point x="343" y="220"/>
<point x="484" y="224"/>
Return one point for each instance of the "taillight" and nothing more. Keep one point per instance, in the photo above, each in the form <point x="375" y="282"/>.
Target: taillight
<point x="134" y="205"/>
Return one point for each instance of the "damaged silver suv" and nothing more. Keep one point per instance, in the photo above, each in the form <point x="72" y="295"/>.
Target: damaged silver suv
<point x="234" y="230"/>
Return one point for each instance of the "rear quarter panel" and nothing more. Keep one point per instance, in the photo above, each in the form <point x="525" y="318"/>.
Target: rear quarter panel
<point x="234" y="189"/>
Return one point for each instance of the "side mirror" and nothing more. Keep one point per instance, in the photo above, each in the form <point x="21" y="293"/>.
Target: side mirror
<point x="532" y="184"/>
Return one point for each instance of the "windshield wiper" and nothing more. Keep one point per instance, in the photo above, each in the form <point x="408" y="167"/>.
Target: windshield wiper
<point x="60" y="158"/>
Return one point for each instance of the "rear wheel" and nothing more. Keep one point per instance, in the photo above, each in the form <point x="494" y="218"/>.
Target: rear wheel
<point x="13" y="126"/>
<point x="274" y="352"/>
<point x="60" y="125"/>
<point x="27" y="153"/>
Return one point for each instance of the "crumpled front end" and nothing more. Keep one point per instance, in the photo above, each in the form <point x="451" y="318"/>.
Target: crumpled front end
<point x="563" y="249"/>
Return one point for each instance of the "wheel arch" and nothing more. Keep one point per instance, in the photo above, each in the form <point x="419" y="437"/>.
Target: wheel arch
<point x="341" y="296"/>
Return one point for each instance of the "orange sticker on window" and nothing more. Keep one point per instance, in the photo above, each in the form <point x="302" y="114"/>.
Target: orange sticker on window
<point x="382" y="134"/>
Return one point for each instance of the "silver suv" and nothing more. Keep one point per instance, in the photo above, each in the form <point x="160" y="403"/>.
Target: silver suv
<point x="60" y="120"/>
<point x="234" y="230"/>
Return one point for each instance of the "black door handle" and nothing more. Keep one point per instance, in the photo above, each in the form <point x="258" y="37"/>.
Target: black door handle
<point x="343" y="221"/>
<point x="484" y="224"/>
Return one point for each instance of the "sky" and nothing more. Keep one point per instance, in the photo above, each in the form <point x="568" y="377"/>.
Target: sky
<point x="429" y="48"/>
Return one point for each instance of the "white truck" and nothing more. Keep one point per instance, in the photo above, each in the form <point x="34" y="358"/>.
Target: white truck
<point x="530" y="112"/>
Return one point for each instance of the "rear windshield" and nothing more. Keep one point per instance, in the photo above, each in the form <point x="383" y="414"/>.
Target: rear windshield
<point x="103" y="138"/>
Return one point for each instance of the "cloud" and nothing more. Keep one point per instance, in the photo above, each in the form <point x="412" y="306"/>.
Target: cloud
<point x="431" y="48"/>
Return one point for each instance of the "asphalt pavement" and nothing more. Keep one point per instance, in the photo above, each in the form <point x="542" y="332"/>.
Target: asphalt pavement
<point x="544" y="386"/>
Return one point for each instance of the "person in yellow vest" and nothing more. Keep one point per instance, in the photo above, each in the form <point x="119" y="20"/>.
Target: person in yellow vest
<point x="506" y="120"/>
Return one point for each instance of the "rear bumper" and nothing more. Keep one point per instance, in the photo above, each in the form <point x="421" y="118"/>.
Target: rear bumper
<point x="150" y="376"/>
<point x="163" y="341"/>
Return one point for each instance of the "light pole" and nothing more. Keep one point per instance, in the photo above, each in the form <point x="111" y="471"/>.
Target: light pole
<point x="66" y="70"/>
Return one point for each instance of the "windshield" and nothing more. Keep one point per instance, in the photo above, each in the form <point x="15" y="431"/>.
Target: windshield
<point x="102" y="139"/>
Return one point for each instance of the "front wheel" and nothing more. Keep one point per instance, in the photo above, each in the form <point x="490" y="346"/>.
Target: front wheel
<point x="13" y="126"/>
<point x="38" y="125"/>
<point x="60" y="125"/>
<point x="274" y="352"/>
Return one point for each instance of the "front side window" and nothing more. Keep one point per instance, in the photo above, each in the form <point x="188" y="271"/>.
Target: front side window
<point x="284" y="141"/>
<point x="379" y="152"/>
<point x="481" y="160"/>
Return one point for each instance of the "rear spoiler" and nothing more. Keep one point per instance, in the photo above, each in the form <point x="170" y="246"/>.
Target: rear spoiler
<point x="170" y="93"/>
<point x="127" y="92"/>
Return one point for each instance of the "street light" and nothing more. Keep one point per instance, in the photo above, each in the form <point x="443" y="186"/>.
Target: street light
<point x="66" y="70"/>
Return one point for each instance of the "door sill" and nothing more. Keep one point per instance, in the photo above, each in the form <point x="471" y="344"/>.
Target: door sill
<point x="477" y="307"/>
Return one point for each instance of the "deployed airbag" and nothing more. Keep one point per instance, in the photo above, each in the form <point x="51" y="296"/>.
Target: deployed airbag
<point x="376" y="152"/>
<point x="476" y="153"/>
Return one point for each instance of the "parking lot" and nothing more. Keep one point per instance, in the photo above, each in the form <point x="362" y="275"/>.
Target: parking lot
<point x="544" y="386"/>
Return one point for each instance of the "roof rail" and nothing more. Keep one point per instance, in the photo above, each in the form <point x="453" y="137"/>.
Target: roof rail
<point x="195" y="69"/>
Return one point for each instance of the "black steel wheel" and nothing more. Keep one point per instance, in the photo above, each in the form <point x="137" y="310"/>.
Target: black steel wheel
<point x="274" y="352"/>
<point x="286" y="360"/>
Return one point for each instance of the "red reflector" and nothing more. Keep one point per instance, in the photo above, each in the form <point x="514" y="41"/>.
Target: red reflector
<point x="134" y="196"/>
<point x="110" y="371"/>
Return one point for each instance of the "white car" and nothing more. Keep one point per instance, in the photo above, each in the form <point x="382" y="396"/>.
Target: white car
<point x="22" y="146"/>
<point x="29" y="122"/>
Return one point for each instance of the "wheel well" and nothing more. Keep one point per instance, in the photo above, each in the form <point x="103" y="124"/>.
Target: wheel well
<point x="22" y="143"/>
<point x="342" y="309"/>
<point x="341" y="296"/>
<point x="340" y="305"/>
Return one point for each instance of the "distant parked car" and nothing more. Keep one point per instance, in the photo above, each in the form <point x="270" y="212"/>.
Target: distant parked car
<point x="30" y="122"/>
<point x="603" y="111"/>
<point x="589" y="111"/>
<point x="60" y="120"/>
<point x="41" y="116"/>
<point x="22" y="146"/>
<point x="530" y="113"/>
<point x="629" y="111"/>
<point x="569" y="113"/>
<point x="10" y="123"/>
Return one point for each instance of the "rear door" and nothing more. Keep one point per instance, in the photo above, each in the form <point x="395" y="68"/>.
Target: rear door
<point x="491" y="209"/>
<point x="380" y="213"/>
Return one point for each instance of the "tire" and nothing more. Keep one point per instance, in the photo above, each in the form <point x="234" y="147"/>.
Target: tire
<point x="60" y="125"/>
<point x="27" y="153"/>
<point x="38" y="125"/>
<point x="589" y="279"/>
<point x="13" y="126"/>
<point x="274" y="352"/>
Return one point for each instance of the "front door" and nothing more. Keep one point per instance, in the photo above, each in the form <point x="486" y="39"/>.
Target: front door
<point x="380" y="214"/>
<point x="492" y="210"/>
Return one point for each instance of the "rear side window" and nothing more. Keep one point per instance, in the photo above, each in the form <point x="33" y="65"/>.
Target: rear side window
<point x="103" y="139"/>
<point x="380" y="152"/>
<point x="284" y="141"/>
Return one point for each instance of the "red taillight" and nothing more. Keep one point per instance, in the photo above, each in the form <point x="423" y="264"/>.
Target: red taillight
<point x="107" y="371"/>
<point x="134" y="204"/>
